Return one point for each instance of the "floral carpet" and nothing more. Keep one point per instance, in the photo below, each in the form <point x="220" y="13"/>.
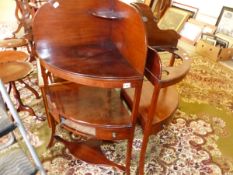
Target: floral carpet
<point x="198" y="140"/>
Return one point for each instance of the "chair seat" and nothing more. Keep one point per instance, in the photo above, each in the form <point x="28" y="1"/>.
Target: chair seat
<point x="166" y="105"/>
<point x="13" y="43"/>
<point x="15" y="162"/>
<point x="12" y="71"/>
<point x="12" y="55"/>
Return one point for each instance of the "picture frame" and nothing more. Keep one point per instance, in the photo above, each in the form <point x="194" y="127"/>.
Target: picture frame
<point x="211" y="41"/>
<point x="174" y="18"/>
<point x="191" y="9"/>
<point x="193" y="29"/>
<point x="190" y="32"/>
<point x="215" y="40"/>
<point x="221" y="42"/>
<point x="225" y="21"/>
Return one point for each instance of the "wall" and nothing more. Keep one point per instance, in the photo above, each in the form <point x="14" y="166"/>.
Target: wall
<point x="209" y="10"/>
<point x="8" y="22"/>
<point x="7" y="11"/>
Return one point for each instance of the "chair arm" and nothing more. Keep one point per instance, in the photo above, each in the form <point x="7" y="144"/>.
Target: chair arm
<point x="176" y="73"/>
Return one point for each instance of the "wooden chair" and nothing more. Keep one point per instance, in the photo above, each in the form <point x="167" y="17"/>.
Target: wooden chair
<point x="15" y="67"/>
<point x="24" y="13"/>
<point x="98" y="52"/>
<point x="159" y="98"/>
<point x="166" y="39"/>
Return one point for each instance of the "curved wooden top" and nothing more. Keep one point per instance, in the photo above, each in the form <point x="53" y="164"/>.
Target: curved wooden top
<point x="12" y="43"/>
<point x="12" y="71"/>
<point x="91" y="49"/>
<point x="12" y="55"/>
<point x="174" y="74"/>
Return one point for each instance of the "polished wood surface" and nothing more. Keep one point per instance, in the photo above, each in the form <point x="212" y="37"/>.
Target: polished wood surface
<point x="14" y="67"/>
<point x="156" y="36"/>
<point x="167" y="102"/>
<point x="81" y="151"/>
<point x="111" y="119"/>
<point x="85" y="43"/>
<point x="102" y="49"/>
<point x="13" y="43"/>
<point x="11" y="55"/>
<point x="13" y="71"/>
<point x="159" y="98"/>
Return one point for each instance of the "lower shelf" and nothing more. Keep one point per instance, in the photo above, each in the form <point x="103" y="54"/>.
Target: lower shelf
<point x="89" y="151"/>
<point x="92" y="111"/>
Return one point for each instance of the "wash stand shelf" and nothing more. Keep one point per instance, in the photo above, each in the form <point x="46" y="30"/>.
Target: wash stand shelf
<point x="95" y="55"/>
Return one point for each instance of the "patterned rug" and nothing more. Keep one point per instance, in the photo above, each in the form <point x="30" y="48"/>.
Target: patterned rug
<point x="198" y="140"/>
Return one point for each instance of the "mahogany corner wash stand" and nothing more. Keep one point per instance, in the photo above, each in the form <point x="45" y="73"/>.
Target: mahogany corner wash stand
<point x="96" y="47"/>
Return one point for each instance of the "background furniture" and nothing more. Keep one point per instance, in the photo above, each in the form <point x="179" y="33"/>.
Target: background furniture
<point x="13" y="67"/>
<point x="158" y="7"/>
<point x="96" y="61"/>
<point x="22" y="36"/>
<point x="156" y="37"/>
<point x="14" y="161"/>
<point x="159" y="98"/>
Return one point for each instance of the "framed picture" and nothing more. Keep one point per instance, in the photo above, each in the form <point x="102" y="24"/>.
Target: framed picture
<point x="193" y="29"/>
<point x="211" y="41"/>
<point x="215" y="40"/>
<point x="221" y="42"/>
<point x="225" y="22"/>
<point x="191" y="9"/>
<point x="206" y="36"/>
<point x="174" y="18"/>
<point x="191" y="32"/>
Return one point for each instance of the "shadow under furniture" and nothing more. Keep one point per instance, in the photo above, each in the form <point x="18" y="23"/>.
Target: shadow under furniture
<point x="14" y="67"/>
<point x="98" y="53"/>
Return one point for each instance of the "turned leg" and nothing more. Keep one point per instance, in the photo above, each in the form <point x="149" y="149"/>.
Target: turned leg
<point x="172" y="60"/>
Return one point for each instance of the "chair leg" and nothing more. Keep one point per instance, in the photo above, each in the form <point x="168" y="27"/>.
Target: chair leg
<point x="143" y="151"/>
<point x="21" y="106"/>
<point x="30" y="88"/>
